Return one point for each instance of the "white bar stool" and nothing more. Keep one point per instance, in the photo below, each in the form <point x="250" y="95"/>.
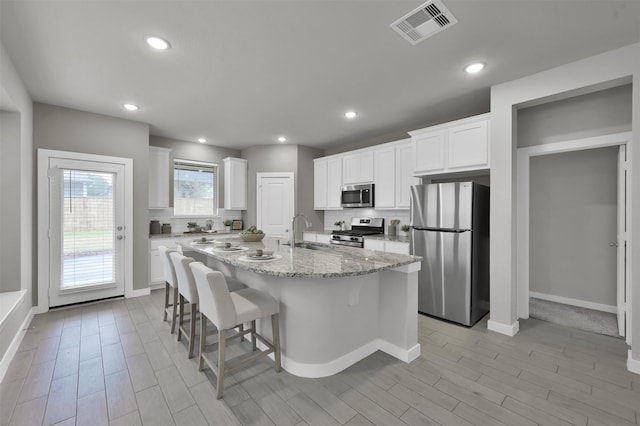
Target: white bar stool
<point x="171" y="282"/>
<point x="187" y="289"/>
<point x="227" y="310"/>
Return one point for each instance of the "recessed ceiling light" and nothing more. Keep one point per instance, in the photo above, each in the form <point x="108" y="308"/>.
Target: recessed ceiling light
<point x="282" y="139"/>
<point x="202" y="140"/>
<point x="158" y="43"/>
<point x="131" y="107"/>
<point x="351" y="114"/>
<point x="474" y="68"/>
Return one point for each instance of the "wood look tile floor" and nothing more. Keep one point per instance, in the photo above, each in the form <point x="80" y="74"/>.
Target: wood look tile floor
<point x="115" y="363"/>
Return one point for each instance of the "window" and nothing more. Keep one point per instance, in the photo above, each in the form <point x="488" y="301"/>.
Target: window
<point x="195" y="188"/>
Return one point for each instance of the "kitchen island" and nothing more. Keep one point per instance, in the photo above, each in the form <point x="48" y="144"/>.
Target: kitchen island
<point x="337" y="304"/>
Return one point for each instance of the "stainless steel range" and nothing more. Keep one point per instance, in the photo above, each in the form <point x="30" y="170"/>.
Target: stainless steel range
<point x="360" y="227"/>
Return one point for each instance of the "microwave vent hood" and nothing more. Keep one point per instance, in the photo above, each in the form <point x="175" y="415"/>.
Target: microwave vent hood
<point x="423" y="22"/>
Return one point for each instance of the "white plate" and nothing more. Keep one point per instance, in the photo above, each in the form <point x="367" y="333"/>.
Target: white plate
<point x="233" y="249"/>
<point x="260" y="259"/>
<point x="204" y="243"/>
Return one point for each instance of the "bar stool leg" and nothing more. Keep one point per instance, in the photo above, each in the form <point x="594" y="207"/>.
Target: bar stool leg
<point x="192" y="330"/>
<point x="203" y="339"/>
<point x="222" y="342"/>
<point x="181" y="318"/>
<point x="174" y="310"/>
<point x="275" y="327"/>
<point x="253" y="335"/>
<point x="166" y="299"/>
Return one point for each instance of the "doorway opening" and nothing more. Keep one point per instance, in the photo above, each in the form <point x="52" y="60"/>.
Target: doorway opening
<point x="572" y="233"/>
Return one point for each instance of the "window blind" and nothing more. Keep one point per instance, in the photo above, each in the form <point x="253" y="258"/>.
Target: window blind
<point x="195" y="188"/>
<point x="87" y="228"/>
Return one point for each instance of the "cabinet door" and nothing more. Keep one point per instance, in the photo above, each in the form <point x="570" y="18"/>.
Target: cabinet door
<point x="156" y="272"/>
<point x="334" y="182"/>
<point x="430" y="153"/>
<point x="372" y="244"/>
<point x="358" y="168"/>
<point x="323" y="238"/>
<point x="404" y="175"/>
<point x="468" y="146"/>
<point x="235" y="183"/>
<point x="396" y="247"/>
<point x="159" y="172"/>
<point x="384" y="177"/>
<point x="320" y="184"/>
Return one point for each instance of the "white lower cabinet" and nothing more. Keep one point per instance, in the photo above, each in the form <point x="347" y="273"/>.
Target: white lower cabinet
<point x="156" y="271"/>
<point x="314" y="237"/>
<point x="397" y="247"/>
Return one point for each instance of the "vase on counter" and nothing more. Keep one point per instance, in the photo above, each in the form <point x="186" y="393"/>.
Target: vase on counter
<point x="391" y="230"/>
<point x="227" y="228"/>
<point x="155" y="228"/>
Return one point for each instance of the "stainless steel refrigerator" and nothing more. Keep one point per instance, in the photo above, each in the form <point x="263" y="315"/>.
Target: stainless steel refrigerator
<point x="450" y="230"/>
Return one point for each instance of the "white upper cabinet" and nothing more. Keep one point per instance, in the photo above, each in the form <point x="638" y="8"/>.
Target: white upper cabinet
<point x="404" y="174"/>
<point x="429" y="151"/>
<point x="458" y="146"/>
<point x="235" y="183"/>
<point x="384" y="167"/>
<point x="327" y="182"/>
<point x="159" y="173"/>
<point x="357" y="167"/>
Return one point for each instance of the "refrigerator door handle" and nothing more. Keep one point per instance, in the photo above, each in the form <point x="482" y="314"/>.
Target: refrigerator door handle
<point x="452" y="230"/>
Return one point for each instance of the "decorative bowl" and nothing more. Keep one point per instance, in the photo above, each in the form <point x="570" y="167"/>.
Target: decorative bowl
<point x="252" y="238"/>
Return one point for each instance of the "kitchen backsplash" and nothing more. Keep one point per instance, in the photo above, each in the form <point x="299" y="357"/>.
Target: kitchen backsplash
<point x="179" y="224"/>
<point x="332" y="216"/>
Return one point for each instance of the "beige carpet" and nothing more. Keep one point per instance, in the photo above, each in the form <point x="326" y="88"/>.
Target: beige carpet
<point x="573" y="316"/>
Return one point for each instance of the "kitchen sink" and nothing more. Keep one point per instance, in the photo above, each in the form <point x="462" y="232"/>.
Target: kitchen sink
<point x="311" y="246"/>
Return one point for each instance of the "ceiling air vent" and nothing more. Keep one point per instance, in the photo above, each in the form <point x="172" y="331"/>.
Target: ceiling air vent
<point x="423" y="22"/>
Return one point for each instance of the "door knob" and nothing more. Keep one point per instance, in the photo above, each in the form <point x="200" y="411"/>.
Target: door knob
<point x="119" y="237"/>
<point x="613" y="244"/>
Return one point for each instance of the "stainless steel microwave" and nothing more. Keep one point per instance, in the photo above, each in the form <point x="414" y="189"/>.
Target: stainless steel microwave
<point x="357" y="195"/>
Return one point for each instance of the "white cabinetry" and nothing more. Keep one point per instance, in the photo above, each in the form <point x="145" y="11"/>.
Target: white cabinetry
<point x="235" y="183"/>
<point x="156" y="271"/>
<point x="327" y="180"/>
<point x="458" y="146"/>
<point x="314" y="237"/>
<point x="159" y="173"/>
<point x="397" y="247"/>
<point x="384" y="167"/>
<point x="404" y="174"/>
<point x="357" y="167"/>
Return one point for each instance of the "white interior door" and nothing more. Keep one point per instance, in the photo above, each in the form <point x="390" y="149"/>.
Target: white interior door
<point x="86" y="230"/>
<point x="275" y="203"/>
<point x="622" y="240"/>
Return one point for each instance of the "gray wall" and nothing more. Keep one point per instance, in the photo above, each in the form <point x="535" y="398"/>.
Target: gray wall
<point x="16" y="205"/>
<point x="71" y="130"/>
<point x="569" y="256"/>
<point x="595" y="114"/>
<point x="304" y="194"/>
<point x="9" y="195"/>
<point x="572" y="221"/>
<point x="196" y="152"/>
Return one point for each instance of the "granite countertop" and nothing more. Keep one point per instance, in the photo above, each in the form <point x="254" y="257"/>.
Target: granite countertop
<point x="330" y="261"/>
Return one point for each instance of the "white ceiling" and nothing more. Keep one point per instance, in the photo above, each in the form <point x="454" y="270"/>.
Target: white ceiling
<point x="242" y="73"/>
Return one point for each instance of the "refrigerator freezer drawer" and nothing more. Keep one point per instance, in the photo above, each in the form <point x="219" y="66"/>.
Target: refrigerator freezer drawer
<point x="445" y="278"/>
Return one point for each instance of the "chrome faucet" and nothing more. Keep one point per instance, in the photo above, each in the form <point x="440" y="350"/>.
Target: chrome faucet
<point x="293" y="227"/>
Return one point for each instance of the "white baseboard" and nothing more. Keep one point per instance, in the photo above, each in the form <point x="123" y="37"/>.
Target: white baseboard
<point x="509" y="330"/>
<point x="575" y="302"/>
<point x="633" y="365"/>
<point x="156" y="286"/>
<point x="138" y="293"/>
<point x="15" y="344"/>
